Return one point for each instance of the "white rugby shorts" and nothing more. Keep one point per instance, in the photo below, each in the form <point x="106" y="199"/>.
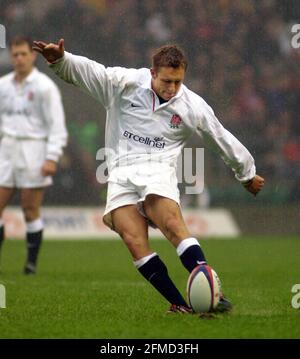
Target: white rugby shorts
<point x="21" y="162"/>
<point x="132" y="184"/>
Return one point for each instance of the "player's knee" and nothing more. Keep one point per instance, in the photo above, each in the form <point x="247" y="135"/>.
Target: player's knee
<point x="2" y="208"/>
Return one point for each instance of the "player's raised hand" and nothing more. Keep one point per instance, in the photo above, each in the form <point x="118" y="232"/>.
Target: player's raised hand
<point x="51" y="52"/>
<point x="254" y="185"/>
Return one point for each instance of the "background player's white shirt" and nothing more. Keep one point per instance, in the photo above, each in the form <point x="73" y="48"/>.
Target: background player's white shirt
<point x="33" y="110"/>
<point x="138" y="126"/>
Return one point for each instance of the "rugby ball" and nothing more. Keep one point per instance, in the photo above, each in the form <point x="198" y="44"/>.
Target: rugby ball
<point x="203" y="289"/>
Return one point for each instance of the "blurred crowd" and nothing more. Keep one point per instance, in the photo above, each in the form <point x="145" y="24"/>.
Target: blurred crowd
<point x="240" y="61"/>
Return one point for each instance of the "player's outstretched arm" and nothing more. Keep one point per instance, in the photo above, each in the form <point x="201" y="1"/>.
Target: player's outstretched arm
<point x="90" y="76"/>
<point x="51" y="52"/>
<point x="254" y="185"/>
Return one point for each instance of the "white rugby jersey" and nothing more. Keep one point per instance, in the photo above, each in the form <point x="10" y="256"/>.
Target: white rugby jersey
<point x="33" y="110"/>
<point x="137" y="126"/>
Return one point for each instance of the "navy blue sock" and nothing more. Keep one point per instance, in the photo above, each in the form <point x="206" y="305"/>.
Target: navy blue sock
<point x="192" y="257"/>
<point x="156" y="273"/>
<point x="34" y="240"/>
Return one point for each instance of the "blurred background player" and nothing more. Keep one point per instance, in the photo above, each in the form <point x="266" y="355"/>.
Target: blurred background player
<point x="33" y="134"/>
<point x="154" y="114"/>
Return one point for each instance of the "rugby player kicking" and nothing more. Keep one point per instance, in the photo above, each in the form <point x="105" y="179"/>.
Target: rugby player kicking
<point x="150" y="116"/>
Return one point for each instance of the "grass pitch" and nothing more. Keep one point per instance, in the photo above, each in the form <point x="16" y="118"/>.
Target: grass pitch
<point x="90" y="289"/>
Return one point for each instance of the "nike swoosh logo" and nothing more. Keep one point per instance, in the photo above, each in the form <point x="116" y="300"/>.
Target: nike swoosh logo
<point x="133" y="105"/>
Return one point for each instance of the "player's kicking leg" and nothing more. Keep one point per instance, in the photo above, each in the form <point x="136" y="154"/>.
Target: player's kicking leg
<point x="166" y="215"/>
<point x="6" y="195"/>
<point x="31" y="200"/>
<point x="133" y="229"/>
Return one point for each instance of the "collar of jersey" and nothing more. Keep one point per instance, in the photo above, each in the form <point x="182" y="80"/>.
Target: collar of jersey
<point x="31" y="76"/>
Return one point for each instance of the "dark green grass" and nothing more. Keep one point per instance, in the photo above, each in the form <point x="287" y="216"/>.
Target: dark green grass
<point x="90" y="289"/>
